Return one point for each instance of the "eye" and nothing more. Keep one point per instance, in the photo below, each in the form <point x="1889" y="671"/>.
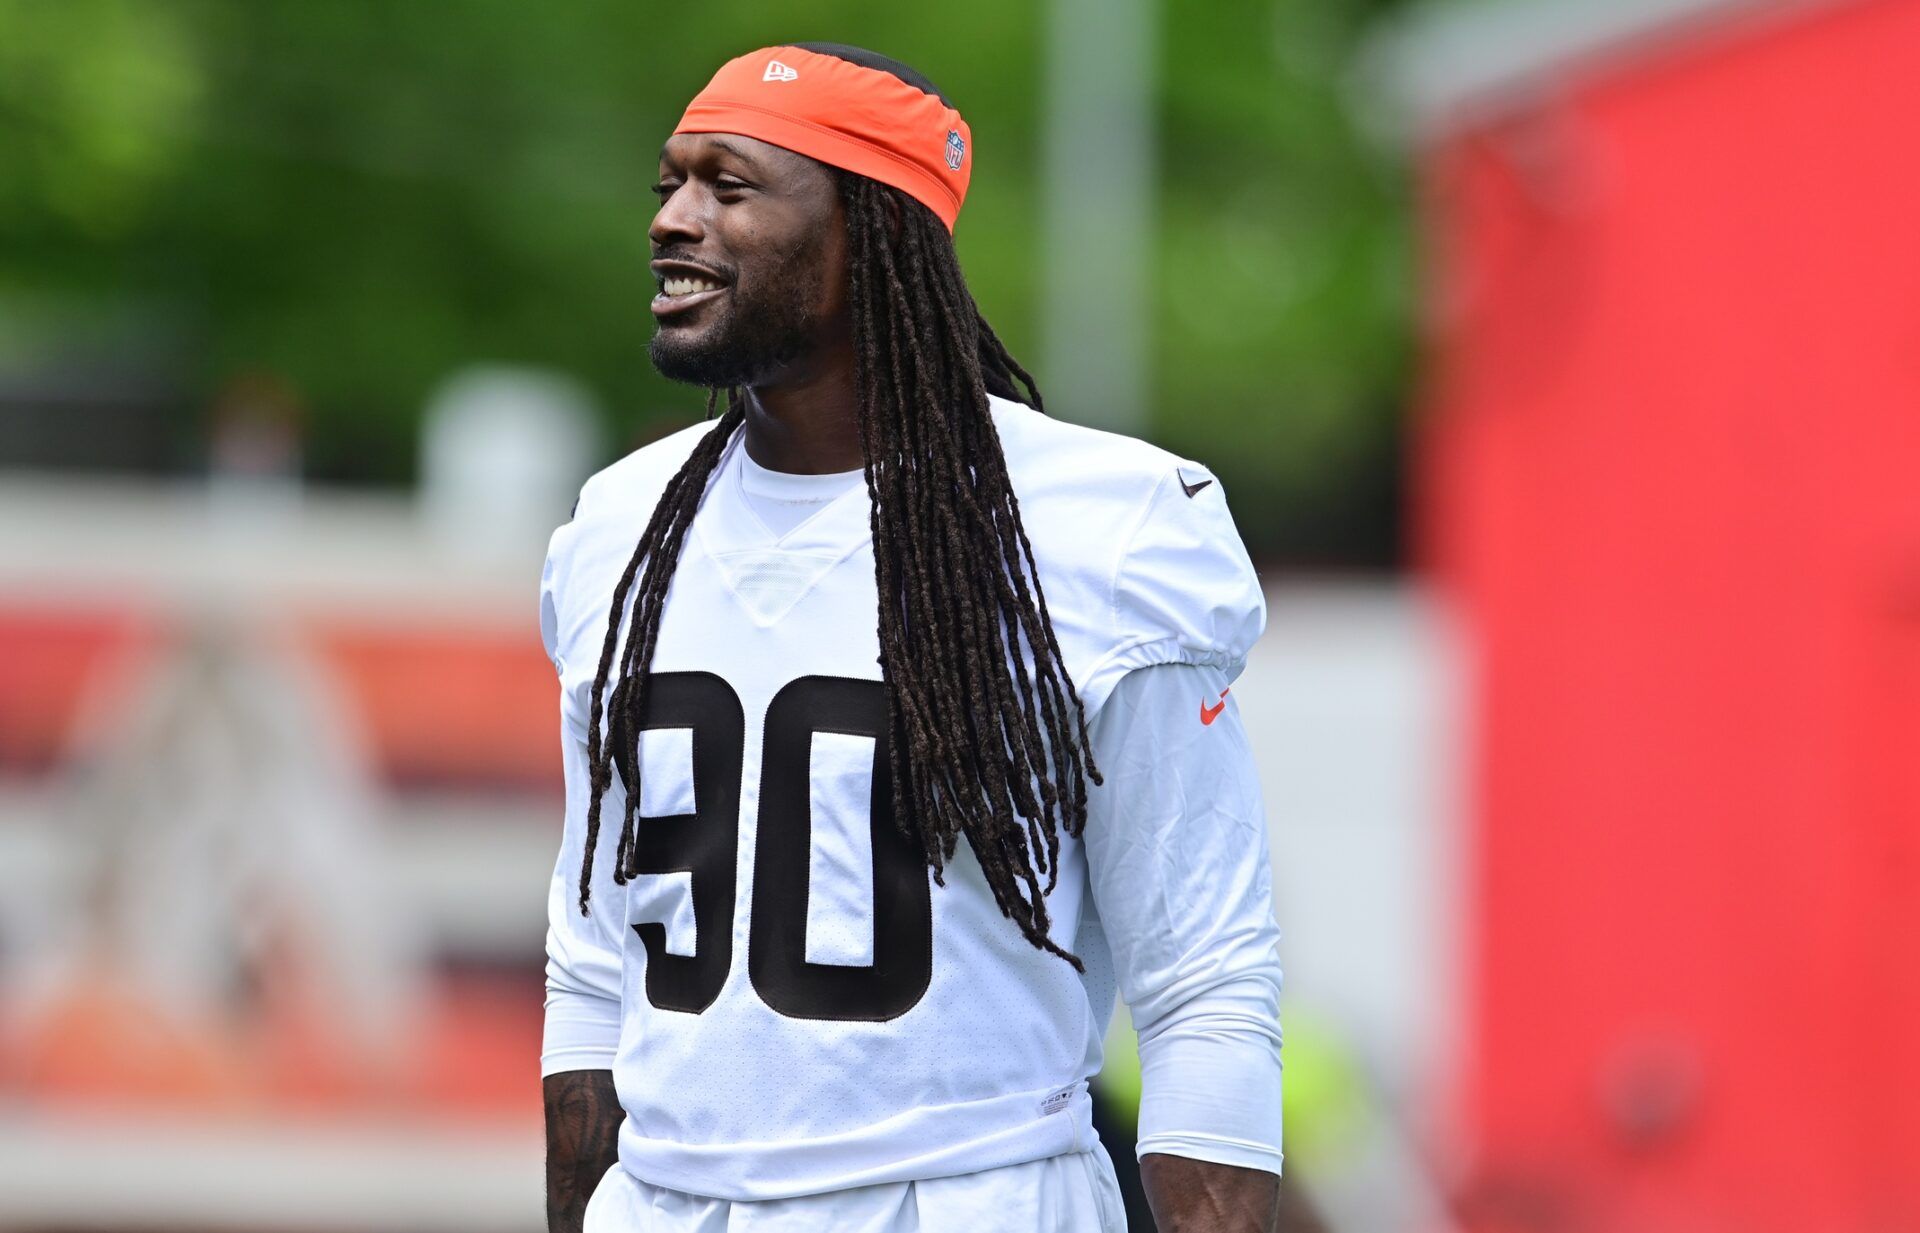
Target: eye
<point x="726" y="185"/>
<point x="664" y="189"/>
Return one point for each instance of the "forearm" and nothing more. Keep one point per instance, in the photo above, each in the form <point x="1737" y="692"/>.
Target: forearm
<point x="583" y="1128"/>
<point x="1197" y="1196"/>
<point x="1177" y="855"/>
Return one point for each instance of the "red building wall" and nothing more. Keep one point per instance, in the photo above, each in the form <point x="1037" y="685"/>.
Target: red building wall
<point x="1671" y="483"/>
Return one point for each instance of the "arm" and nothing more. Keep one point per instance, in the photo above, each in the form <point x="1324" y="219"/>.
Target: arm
<point x="1177" y="853"/>
<point x="1197" y="1194"/>
<point x="583" y="1128"/>
<point x="583" y="1013"/>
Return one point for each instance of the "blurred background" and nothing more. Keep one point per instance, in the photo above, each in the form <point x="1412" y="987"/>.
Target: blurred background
<point x="1561" y="362"/>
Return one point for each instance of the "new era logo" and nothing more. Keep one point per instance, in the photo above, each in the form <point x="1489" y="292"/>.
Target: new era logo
<point x="777" y="71"/>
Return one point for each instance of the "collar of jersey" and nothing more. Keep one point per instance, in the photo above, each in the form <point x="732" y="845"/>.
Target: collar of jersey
<point x="726" y="521"/>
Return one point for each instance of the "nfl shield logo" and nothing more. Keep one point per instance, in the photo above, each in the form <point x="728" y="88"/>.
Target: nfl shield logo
<point x="956" y="149"/>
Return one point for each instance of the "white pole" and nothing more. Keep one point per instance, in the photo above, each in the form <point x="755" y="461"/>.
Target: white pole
<point x="1098" y="184"/>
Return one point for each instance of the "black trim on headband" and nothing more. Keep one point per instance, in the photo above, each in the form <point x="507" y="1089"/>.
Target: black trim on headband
<point x="874" y="60"/>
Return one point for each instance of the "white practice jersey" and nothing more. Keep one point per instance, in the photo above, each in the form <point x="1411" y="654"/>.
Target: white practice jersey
<point x="789" y="1006"/>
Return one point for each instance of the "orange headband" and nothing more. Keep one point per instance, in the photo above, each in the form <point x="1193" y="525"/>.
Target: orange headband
<point x="860" y="119"/>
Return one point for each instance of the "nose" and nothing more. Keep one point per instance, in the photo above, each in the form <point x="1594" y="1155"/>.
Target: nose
<point x="680" y="219"/>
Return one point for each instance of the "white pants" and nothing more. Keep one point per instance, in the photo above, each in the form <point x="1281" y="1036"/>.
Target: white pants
<point x="1074" y="1193"/>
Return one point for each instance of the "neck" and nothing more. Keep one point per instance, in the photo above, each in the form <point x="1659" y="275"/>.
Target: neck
<point x="803" y="422"/>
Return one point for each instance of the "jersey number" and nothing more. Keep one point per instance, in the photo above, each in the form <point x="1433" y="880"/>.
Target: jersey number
<point x="706" y="845"/>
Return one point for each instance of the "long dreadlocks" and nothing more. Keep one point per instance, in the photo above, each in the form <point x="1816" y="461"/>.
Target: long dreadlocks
<point x="988" y="737"/>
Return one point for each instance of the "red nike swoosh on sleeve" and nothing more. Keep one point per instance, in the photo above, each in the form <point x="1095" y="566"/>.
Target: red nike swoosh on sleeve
<point x="1210" y="713"/>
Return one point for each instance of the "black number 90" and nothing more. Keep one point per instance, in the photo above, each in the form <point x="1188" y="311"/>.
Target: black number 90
<point x="706" y="843"/>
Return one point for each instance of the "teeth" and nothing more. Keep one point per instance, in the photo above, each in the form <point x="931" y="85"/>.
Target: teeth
<point x="687" y="286"/>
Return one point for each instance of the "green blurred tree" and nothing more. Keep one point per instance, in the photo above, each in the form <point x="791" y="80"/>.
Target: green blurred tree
<point x="362" y="197"/>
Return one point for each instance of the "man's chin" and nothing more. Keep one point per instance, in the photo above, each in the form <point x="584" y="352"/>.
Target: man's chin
<point x="692" y="360"/>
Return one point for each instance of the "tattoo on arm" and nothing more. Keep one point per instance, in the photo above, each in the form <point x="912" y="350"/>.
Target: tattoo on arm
<point x="583" y="1127"/>
<point x="1195" y="1195"/>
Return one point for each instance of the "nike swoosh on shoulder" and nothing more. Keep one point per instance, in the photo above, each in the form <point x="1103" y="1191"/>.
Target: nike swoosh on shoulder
<point x="1187" y="488"/>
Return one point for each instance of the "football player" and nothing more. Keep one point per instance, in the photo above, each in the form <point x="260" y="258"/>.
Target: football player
<point x="898" y="736"/>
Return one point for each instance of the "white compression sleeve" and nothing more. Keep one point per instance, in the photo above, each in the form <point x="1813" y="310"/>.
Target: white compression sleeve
<point x="1177" y="851"/>
<point x="583" y="1011"/>
<point x="582" y="1027"/>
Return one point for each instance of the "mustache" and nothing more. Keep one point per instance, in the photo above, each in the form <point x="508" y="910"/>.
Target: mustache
<point x="671" y="253"/>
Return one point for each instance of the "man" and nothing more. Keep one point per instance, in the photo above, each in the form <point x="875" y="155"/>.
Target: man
<point x="904" y="712"/>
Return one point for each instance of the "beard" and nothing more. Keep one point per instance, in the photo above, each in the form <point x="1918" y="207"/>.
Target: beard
<point x="761" y="326"/>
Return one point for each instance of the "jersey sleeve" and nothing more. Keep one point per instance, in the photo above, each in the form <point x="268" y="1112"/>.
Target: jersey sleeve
<point x="1183" y="589"/>
<point x="583" y="952"/>
<point x="1176" y="844"/>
